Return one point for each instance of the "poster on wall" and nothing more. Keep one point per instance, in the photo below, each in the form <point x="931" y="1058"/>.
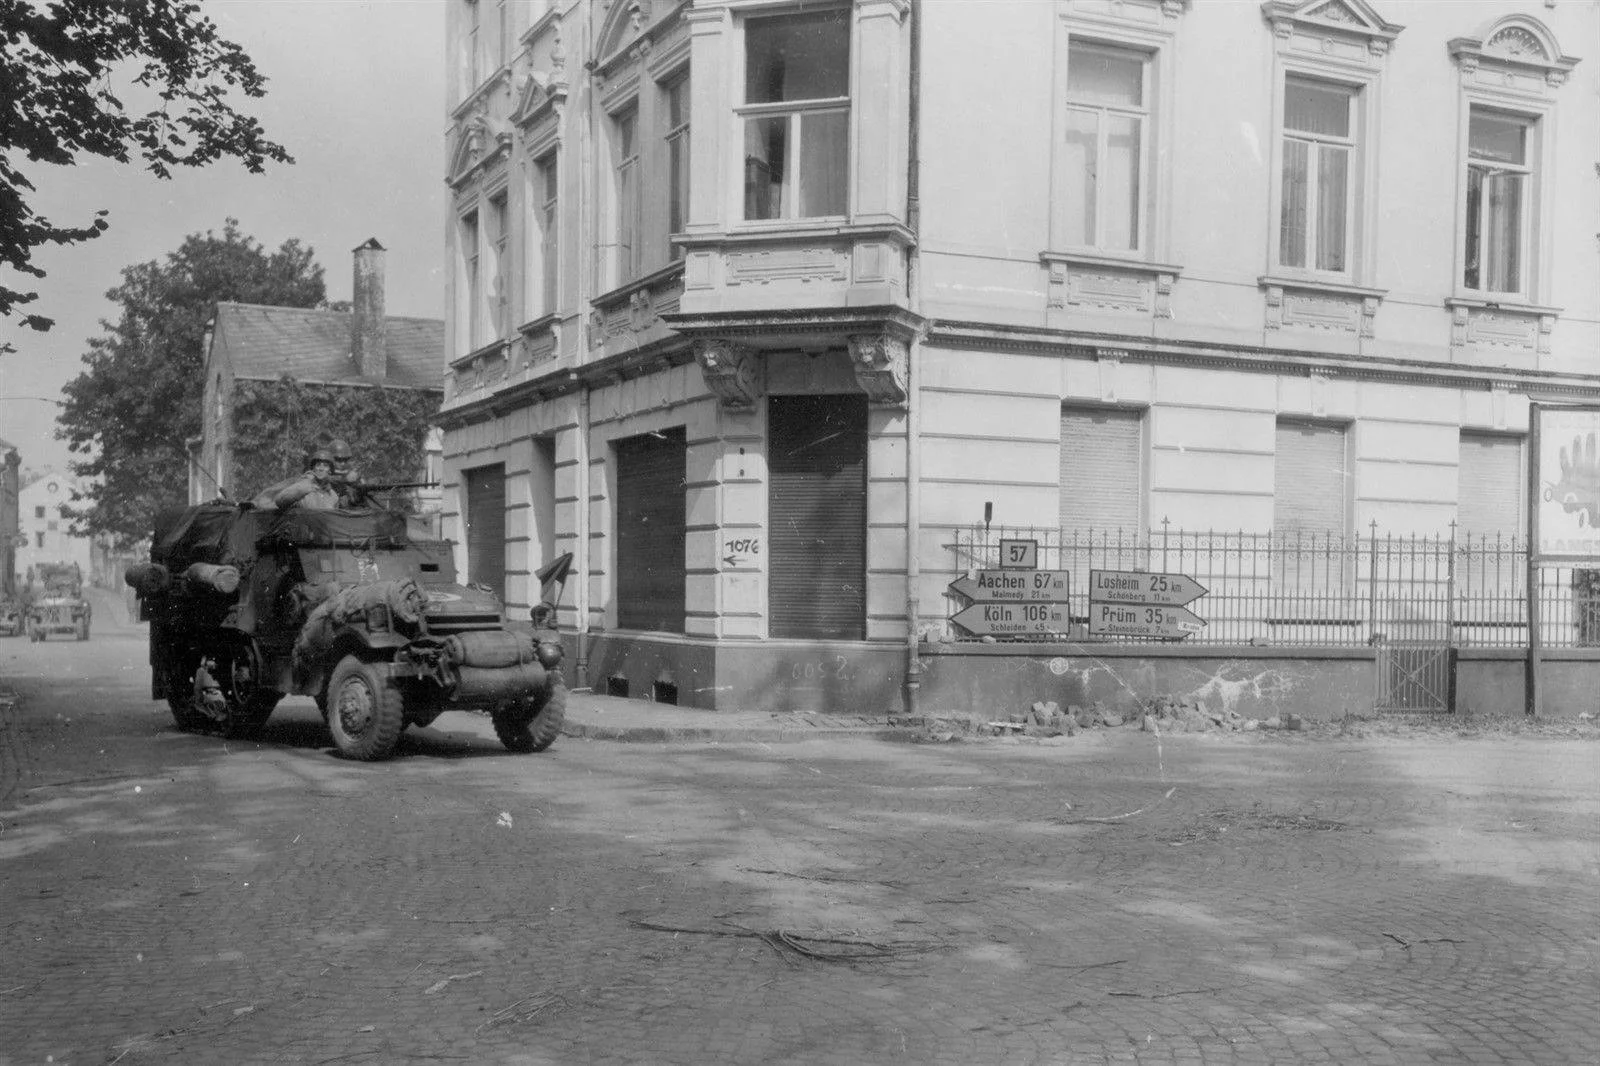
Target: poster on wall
<point x="1567" y="495"/>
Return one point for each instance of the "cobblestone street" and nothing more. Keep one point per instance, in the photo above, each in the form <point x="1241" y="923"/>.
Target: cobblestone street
<point x="1113" y="898"/>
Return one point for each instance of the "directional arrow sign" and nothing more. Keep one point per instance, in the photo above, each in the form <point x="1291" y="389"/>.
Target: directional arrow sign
<point x="1013" y="619"/>
<point x="1141" y="620"/>
<point x="1132" y="586"/>
<point x="1015" y="586"/>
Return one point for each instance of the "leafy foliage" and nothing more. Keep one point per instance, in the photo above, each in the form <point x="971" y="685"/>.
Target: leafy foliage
<point x="278" y="424"/>
<point x="57" y="62"/>
<point x="139" y="400"/>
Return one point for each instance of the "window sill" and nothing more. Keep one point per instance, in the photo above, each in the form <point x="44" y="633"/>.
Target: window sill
<point x="1319" y="305"/>
<point x="654" y="280"/>
<point x="1504" y="324"/>
<point x="1095" y="283"/>
<point x="539" y="325"/>
<point x="494" y="347"/>
<point x="796" y="231"/>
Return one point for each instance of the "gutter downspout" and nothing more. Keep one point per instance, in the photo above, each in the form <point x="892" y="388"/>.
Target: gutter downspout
<point x="913" y="682"/>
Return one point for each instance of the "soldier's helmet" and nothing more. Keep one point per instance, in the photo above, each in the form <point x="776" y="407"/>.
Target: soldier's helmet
<point x="341" y="453"/>
<point x="322" y="455"/>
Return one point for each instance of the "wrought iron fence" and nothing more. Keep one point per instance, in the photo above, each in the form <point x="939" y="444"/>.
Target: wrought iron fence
<point x="1313" y="588"/>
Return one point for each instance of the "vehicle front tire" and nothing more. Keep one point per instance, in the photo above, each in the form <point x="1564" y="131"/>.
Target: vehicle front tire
<point x="531" y="725"/>
<point x="366" y="710"/>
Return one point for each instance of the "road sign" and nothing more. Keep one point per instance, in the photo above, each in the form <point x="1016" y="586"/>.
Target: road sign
<point x="1013" y="619"/>
<point x="1142" y="620"/>
<point x="1132" y="586"/>
<point x="1015" y="586"/>
<point x="1019" y="554"/>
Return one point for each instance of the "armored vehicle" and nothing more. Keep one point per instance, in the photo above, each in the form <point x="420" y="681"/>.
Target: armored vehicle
<point x="247" y="606"/>
<point x="56" y="603"/>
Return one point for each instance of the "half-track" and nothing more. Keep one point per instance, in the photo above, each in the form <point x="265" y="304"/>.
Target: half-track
<point x="55" y="603"/>
<point x="246" y="606"/>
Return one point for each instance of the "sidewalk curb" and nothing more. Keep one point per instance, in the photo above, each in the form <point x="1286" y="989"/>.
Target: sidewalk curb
<point x="731" y="735"/>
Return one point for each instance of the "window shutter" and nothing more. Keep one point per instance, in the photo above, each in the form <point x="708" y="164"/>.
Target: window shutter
<point x="486" y="527"/>
<point x="650" y="533"/>
<point x="1489" y="500"/>
<point x="1101" y="484"/>
<point x="817" y="465"/>
<point x="1309" y="483"/>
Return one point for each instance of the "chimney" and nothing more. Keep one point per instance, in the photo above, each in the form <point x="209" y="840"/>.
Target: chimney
<point x="368" y="330"/>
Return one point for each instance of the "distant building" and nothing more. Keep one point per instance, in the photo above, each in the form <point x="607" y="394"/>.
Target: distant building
<point x="45" y="535"/>
<point x="756" y="306"/>
<point x="358" y="349"/>
<point x="10" y="531"/>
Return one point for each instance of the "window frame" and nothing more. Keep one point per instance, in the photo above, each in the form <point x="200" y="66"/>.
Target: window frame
<point x="626" y="205"/>
<point x="497" y="243"/>
<point x="794" y="111"/>
<point x="1144" y="113"/>
<point x="676" y="137"/>
<point x="545" y="213"/>
<point x="1529" y="231"/>
<point x="469" y="254"/>
<point x="1154" y="35"/>
<point x="1316" y="143"/>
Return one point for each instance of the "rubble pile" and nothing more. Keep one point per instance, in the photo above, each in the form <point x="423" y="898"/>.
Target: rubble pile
<point x="1161" y="714"/>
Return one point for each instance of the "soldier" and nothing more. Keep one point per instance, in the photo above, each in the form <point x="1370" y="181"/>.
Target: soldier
<point x="314" y="488"/>
<point x="346" y="480"/>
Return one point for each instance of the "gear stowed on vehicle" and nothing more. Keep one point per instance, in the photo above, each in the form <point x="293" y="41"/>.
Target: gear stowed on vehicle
<point x="247" y="606"/>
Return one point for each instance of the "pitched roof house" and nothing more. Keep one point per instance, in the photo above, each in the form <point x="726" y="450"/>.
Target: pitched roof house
<point x="360" y="348"/>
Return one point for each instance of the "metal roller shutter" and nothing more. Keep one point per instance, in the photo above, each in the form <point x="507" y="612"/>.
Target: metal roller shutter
<point x="650" y="534"/>
<point x="1309" y="490"/>
<point x="1489" y="500"/>
<point x="486" y="527"/>
<point x="817" y="464"/>
<point x="1101" y="486"/>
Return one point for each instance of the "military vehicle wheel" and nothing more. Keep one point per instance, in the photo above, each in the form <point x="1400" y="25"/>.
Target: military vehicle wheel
<point x="180" y="693"/>
<point x="248" y="706"/>
<point x="531" y="725"/>
<point x="366" y="710"/>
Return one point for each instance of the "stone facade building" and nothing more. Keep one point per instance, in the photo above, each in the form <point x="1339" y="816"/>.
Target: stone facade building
<point x="755" y="304"/>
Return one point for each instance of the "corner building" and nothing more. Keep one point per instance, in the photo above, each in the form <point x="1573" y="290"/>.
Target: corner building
<point x="755" y="305"/>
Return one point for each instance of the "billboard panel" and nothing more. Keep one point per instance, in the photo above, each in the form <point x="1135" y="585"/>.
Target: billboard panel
<point x="1567" y="461"/>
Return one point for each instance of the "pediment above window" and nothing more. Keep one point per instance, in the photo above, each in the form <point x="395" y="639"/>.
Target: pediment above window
<point x="539" y="91"/>
<point x="480" y="139"/>
<point x="1515" y="47"/>
<point x="1332" y="20"/>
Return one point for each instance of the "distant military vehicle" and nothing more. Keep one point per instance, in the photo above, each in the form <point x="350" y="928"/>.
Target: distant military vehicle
<point x="246" y="606"/>
<point x="55" y="602"/>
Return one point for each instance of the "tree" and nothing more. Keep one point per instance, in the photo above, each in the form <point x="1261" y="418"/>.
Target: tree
<point x="133" y="409"/>
<point x="57" y="65"/>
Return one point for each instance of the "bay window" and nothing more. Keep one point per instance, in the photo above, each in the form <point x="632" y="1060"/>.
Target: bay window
<point x="1104" y="155"/>
<point x="1499" y="177"/>
<point x="796" y="115"/>
<point x="1316" y="194"/>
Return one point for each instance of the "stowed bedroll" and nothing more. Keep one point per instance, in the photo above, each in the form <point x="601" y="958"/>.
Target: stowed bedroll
<point x="247" y="606"/>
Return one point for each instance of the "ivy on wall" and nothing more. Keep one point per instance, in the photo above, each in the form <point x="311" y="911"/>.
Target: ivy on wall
<point x="278" y="424"/>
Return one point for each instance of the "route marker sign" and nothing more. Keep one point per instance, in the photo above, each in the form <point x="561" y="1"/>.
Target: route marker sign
<point x="1015" y="586"/>
<point x="1131" y="603"/>
<point x="1019" y="554"/>
<point x="1013" y="619"/>
<point x="1133" y="586"/>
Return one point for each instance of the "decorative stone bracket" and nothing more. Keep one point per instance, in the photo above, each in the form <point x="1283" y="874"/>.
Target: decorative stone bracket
<point x="1510" y="328"/>
<point x="881" y="363"/>
<point x="1323" y="306"/>
<point x="733" y="372"/>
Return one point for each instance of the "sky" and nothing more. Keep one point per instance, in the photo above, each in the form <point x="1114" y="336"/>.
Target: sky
<point x="355" y="92"/>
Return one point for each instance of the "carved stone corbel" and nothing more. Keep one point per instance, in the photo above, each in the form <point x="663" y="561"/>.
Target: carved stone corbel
<point x="733" y="372"/>
<point x="881" y="364"/>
